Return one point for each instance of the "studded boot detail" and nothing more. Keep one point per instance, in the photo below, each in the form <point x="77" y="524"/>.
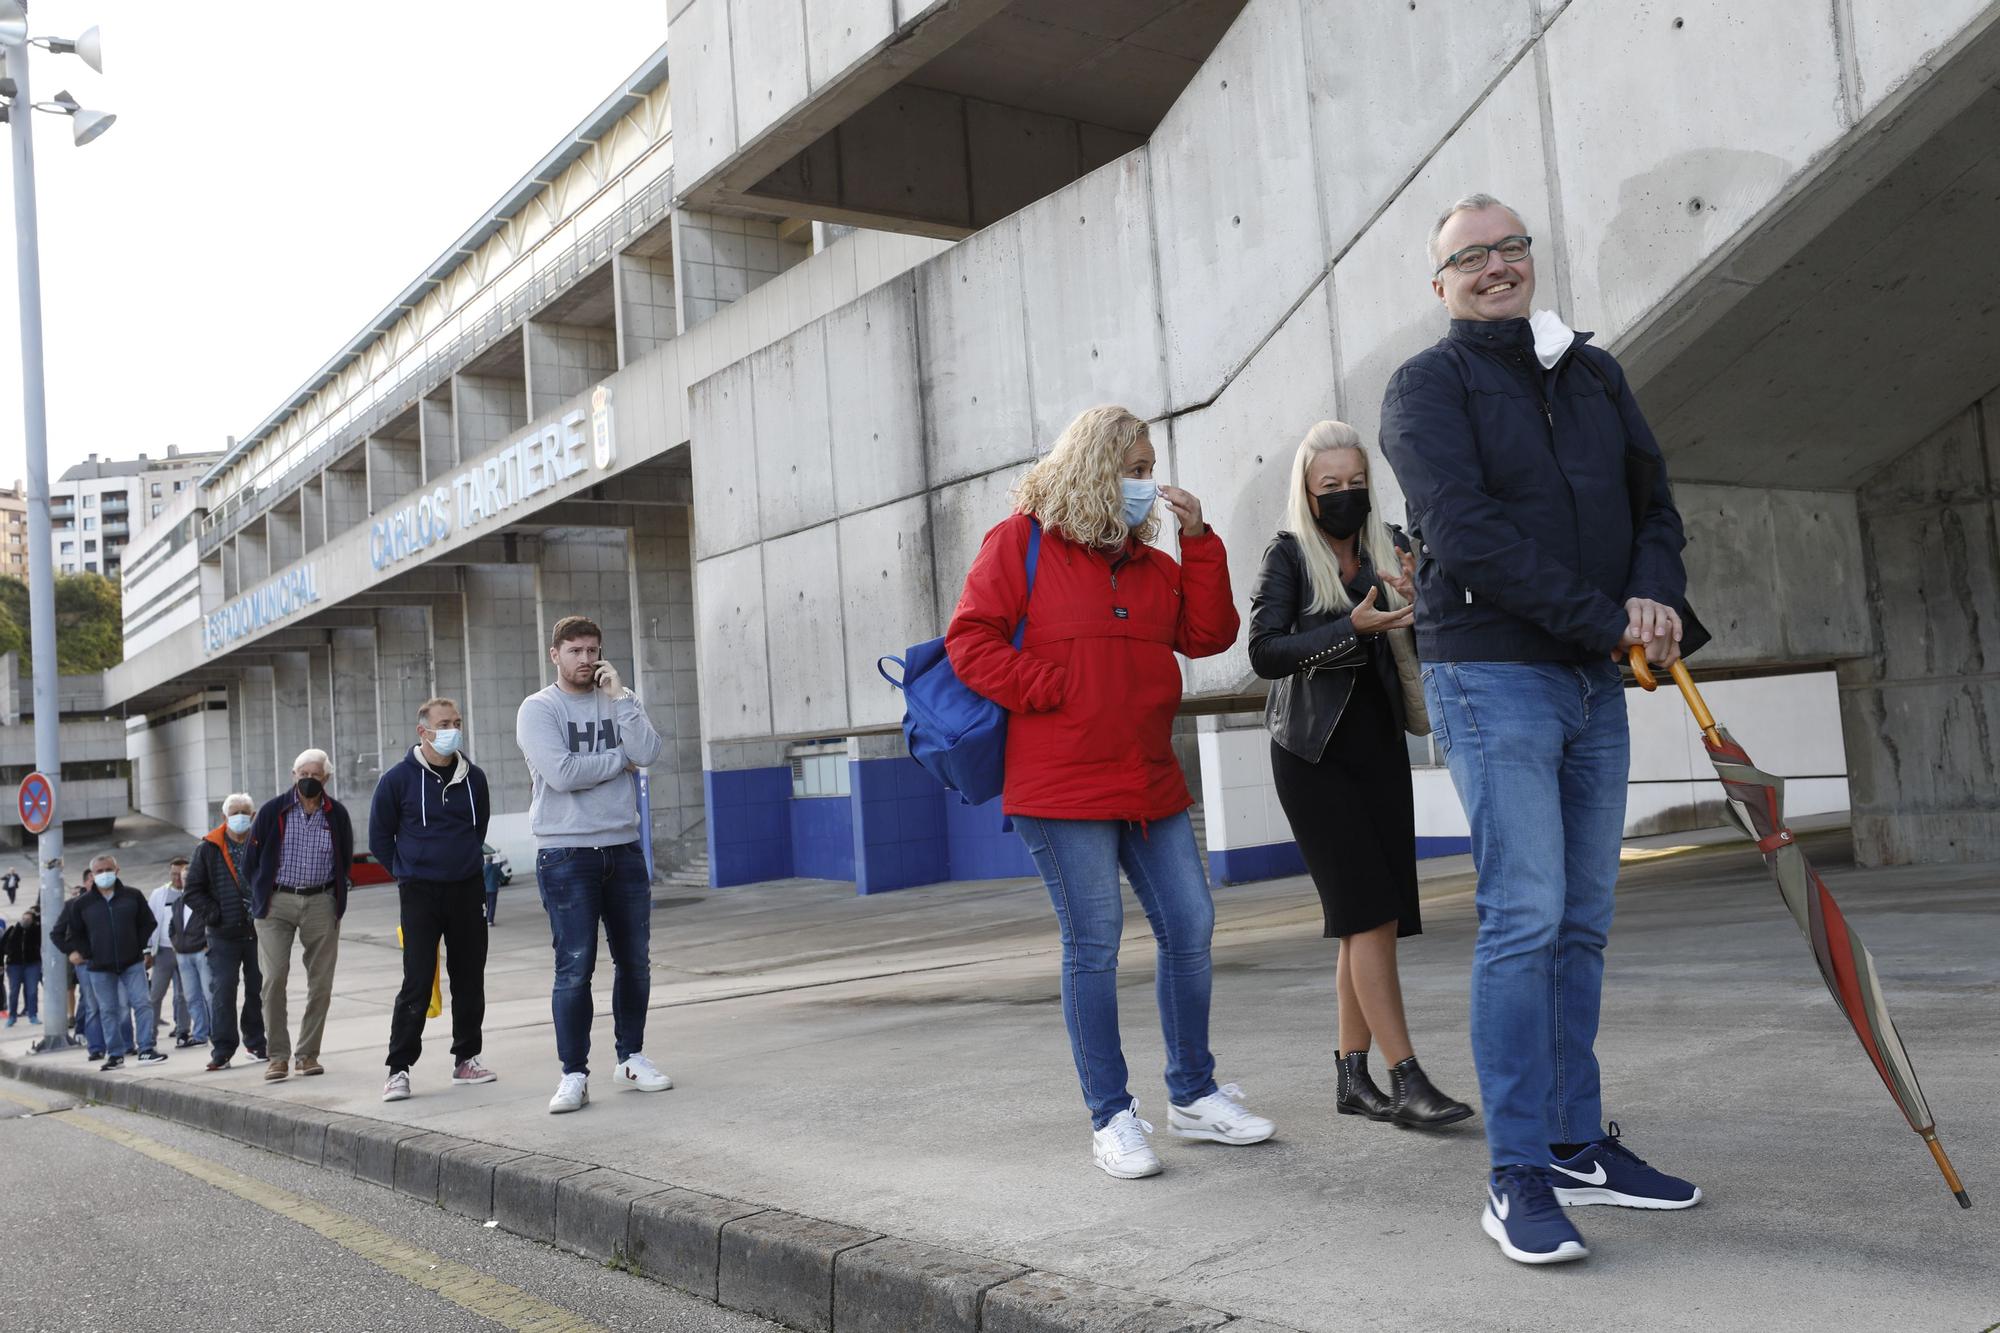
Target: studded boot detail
<point x="1356" y="1092"/>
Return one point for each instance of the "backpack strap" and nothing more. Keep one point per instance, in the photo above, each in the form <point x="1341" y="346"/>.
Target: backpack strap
<point x="1034" y="559"/>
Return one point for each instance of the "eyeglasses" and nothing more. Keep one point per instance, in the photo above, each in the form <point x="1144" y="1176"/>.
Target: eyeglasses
<point x="1472" y="258"/>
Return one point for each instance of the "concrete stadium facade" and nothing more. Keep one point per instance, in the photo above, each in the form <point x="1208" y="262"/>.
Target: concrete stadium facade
<point x="747" y="366"/>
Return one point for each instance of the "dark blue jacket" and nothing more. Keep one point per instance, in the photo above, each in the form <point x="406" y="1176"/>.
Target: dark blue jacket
<point x="1517" y="486"/>
<point x="110" y="933"/>
<point x="421" y="827"/>
<point x="267" y="835"/>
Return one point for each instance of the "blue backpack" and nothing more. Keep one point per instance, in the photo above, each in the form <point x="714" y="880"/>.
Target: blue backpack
<point x="956" y="733"/>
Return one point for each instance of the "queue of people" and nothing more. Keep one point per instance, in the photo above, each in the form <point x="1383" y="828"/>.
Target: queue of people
<point x="1543" y="543"/>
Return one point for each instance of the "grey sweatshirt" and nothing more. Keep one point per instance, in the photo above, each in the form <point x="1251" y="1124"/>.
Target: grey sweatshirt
<point x="577" y="746"/>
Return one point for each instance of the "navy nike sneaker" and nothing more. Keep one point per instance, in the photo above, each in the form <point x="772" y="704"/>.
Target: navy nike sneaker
<point x="1609" y="1172"/>
<point x="1525" y="1220"/>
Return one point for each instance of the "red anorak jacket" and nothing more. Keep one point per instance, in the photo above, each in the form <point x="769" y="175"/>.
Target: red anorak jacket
<point x="1091" y="695"/>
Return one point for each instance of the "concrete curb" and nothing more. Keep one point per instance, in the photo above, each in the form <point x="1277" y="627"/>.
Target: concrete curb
<point x="803" y="1272"/>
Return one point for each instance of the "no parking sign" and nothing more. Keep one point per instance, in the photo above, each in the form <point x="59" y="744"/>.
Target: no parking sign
<point x="38" y="803"/>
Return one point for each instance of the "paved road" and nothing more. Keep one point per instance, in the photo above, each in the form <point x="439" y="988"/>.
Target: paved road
<point x="124" y="1222"/>
<point x="897" y="1063"/>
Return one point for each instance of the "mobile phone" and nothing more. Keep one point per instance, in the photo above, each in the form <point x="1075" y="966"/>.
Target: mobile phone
<point x="1400" y="538"/>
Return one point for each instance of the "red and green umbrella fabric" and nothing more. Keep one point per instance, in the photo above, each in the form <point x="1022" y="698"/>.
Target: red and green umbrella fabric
<point x="1756" y="799"/>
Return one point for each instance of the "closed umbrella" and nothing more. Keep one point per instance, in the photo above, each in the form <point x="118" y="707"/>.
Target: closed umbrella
<point x="1757" y="800"/>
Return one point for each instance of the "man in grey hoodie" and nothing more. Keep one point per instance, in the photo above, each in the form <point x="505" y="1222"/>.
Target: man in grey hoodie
<point x="586" y="738"/>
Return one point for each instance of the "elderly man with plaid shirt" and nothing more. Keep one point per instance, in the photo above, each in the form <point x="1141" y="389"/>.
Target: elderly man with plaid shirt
<point x="301" y="852"/>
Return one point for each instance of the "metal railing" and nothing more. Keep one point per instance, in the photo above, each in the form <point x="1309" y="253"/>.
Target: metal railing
<point x="581" y="258"/>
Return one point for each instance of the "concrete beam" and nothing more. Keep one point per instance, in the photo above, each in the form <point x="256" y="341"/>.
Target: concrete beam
<point x="725" y="140"/>
<point x="938" y="163"/>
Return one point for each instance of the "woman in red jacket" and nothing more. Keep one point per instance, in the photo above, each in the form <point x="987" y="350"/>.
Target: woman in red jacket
<point x="1092" y="782"/>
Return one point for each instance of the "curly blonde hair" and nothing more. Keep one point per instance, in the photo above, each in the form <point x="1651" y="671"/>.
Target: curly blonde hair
<point x="1074" y="489"/>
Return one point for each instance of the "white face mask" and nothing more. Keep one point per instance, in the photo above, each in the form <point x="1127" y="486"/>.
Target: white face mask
<point x="104" y="879"/>
<point x="1140" y="496"/>
<point x="239" y="823"/>
<point x="446" y="742"/>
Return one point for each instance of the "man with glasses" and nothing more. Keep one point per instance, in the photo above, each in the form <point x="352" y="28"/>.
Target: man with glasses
<point x="1547" y="544"/>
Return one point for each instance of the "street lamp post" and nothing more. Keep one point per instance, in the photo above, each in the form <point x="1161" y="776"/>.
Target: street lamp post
<point x="17" y="110"/>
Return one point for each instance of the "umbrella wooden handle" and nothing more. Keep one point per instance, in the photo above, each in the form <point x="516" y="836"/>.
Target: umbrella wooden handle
<point x="1951" y="1179"/>
<point x="1642" y="671"/>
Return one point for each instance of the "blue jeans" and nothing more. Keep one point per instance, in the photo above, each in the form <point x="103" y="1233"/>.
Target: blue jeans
<point x="1540" y="755"/>
<point x="1079" y="861"/>
<point x="123" y="1003"/>
<point x="194" y="984"/>
<point x="230" y="962"/>
<point x="88" y="1029"/>
<point x="582" y="887"/>
<point x="24" y="991"/>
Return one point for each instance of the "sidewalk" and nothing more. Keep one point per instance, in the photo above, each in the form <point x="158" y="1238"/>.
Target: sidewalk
<point x="897" y="1064"/>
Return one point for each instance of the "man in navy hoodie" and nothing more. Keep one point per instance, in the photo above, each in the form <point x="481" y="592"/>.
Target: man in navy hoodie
<point x="427" y="826"/>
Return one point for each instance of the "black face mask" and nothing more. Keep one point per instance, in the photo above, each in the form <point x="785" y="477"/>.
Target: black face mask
<point x="1341" y="513"/>
<point x="311" y="787"/>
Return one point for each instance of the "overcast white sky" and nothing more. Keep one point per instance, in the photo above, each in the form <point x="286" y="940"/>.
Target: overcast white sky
<point x="278" y="172"/>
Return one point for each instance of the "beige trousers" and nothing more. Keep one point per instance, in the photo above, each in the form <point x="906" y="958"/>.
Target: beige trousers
<point x="313" y="923"/>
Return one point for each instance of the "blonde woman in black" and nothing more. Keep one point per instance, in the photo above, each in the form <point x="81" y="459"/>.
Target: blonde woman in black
<point x="1331" y="589"/>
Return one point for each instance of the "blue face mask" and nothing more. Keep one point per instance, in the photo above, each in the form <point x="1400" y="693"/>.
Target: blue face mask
<point x="1140" y="497"/>
<point x="239" y="823"/>
<point x="106" y="878"/>
<point x="446" y="742"/>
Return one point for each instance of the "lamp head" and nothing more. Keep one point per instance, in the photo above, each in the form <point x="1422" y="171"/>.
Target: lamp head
<point x="90" y="46"/>
<point x="87" y="125"/>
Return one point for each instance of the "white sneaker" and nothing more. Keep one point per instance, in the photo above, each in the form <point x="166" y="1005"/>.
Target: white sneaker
<point x="397" y="1089"/>
<point x="1121" y="1149"/>
<point x="1219" y="1118"/>
<point x="572" y="1094"/>
<point x="636" y="1071"/>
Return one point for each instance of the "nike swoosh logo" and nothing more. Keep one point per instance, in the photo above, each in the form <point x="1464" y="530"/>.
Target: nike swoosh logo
<point x="1500" y="1205"/>
<point x="1597" y="1177"/>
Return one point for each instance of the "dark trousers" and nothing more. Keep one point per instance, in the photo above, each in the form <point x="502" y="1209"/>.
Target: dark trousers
<point x="230" y="963"/>
<point x="453" y="911"/>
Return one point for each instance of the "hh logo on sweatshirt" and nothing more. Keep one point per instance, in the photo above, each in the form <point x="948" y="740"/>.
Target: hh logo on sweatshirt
<point x="595" y="739"/>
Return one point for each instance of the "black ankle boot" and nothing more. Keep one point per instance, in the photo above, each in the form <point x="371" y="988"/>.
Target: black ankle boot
<point x="1357" y="1093"/>
<point x="1415" y="1104"/>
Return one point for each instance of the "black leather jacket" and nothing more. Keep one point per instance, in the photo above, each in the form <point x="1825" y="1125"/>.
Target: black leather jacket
<point x="1310" y="657"/>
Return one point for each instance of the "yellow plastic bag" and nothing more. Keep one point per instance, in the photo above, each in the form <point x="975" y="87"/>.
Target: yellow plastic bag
<point x="437" y="978"/>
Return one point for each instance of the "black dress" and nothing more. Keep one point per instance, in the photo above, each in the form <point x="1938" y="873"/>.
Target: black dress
<point x="1352" y="812"/>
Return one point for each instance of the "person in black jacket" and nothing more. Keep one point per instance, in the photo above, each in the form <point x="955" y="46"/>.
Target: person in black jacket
<point x="1325" y="603"/>
<point x="104" y="932"/>
<point x="21" y="954"/>
<point x="427" y="827"/>
<point x="218" y="904"/>
<point x="1547" y="544"/>
<point x="301" y="861"/>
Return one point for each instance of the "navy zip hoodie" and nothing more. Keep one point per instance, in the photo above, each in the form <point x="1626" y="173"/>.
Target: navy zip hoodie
<point x="428" y="828"/>
<point x="1517" y="480"/>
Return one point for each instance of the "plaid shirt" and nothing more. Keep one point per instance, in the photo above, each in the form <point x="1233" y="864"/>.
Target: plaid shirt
<point x="305" y="853"/>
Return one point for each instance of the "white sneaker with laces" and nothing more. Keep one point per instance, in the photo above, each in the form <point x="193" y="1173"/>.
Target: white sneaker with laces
<point x="572" y="1094"/>
<point x="1219" y="1117"/>
<point x="636" y="1071"/>
<point x="1121" y="1149"/>
<point x="397" y="1089"/>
